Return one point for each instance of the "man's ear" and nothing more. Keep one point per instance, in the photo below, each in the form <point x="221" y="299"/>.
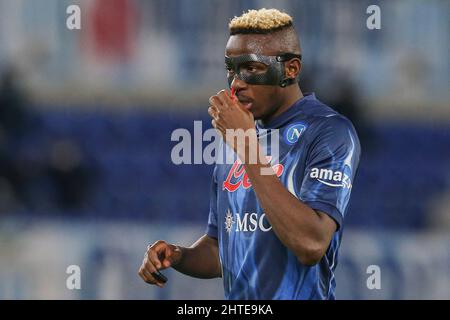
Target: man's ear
<point x="293" y="68"/>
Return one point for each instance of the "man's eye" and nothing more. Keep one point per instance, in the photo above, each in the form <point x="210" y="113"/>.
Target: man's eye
<point x="230" y="71"/>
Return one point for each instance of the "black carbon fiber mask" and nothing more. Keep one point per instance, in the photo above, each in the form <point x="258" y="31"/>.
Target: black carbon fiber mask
<point x="237" y="67"/>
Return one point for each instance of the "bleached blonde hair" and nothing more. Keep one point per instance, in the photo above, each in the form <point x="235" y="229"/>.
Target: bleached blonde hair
<point x="260" y="21"/>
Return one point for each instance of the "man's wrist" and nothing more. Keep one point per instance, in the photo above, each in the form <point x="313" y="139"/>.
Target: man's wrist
<point x="180" y="252"/>
<point x="261" y="168"/>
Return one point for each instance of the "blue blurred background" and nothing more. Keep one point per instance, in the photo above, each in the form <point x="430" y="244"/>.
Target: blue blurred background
<point x="86" y="117"/>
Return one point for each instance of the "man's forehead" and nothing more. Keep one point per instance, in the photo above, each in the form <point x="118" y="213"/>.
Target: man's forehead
<point x="260" y="44"/>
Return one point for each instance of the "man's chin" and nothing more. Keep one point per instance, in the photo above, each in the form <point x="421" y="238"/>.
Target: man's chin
<point x="247" y="105"/>
<point x="256" y="115"/>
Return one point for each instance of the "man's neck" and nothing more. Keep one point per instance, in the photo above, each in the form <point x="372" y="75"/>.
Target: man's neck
<point x="293" y="95"/>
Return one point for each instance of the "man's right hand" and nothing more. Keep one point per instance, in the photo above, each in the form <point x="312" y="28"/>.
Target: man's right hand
<point x="160" y="255"/>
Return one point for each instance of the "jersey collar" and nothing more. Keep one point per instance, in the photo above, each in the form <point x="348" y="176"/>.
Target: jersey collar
<point x="288" y="114"/>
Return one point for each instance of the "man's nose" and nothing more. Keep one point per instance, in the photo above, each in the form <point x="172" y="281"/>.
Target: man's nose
<point x="238" y="84"/>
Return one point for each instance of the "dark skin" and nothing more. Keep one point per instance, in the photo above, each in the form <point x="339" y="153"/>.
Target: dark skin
<point x="201" y="260"/>
<point x="307" y="233"/>
<point x="267" y="101"/>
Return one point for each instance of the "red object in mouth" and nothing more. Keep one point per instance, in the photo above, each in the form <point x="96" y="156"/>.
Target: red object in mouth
<point x="247" y="103"/>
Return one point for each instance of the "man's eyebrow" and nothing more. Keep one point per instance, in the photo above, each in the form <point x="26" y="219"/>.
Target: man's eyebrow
<point x="259" y="63"/>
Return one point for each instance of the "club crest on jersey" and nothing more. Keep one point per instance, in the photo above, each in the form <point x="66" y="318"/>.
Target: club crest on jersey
<point x="237" y="176"/>
<point x="293" y="132"/>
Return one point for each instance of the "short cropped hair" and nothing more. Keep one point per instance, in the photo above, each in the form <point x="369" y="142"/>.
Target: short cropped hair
<point x="262" y="21"/>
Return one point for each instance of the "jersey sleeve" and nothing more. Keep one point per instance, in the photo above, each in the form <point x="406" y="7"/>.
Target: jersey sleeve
<point x="330" y="169"/>
<point x="211" y="229"/>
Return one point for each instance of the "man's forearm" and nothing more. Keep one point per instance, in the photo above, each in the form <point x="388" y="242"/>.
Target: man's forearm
<point x="201" y="260"/>
<point x="297" y="226"/>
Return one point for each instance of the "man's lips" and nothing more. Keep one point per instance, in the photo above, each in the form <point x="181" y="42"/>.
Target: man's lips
<point x="243" y="98"/>
<point x="247" y="104"/>
<point x="245" y="101"/>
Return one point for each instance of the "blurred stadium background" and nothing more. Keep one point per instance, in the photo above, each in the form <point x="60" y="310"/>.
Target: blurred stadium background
<point x="86" y="117"/>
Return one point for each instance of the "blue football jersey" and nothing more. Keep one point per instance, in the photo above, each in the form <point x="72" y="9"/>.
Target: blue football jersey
<point x="318" y="155"/>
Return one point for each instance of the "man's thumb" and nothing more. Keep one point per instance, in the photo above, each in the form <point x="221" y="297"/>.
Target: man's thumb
<point x="171" y="257"/>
